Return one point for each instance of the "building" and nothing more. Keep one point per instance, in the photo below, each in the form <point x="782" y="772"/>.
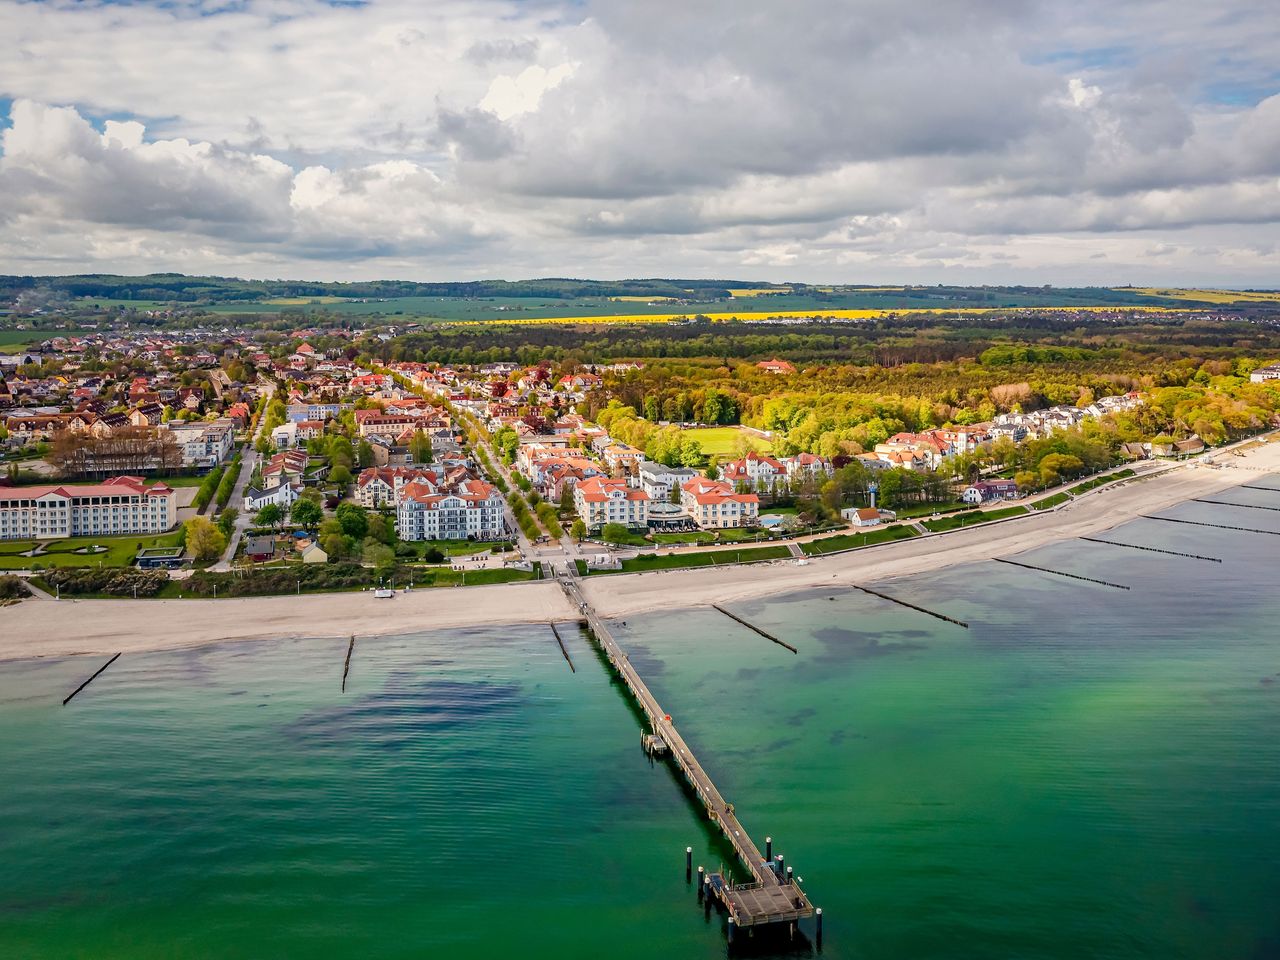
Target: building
<point x="658" y="480"/>
<point x="381" y="486"/>
<point x="122" y="505"/>
<point x="1263" y="374"/>
<point x="260" y="549"/>
<point x="756" y="471"/>
<point x="861" y="516"/>
<point x="204" y="443"/>
<point x="283" y="495"/>
<point x="987" y="490"/>
<point x="601" y="500"/>
<point x="472" y="510"/>
<point x="715" y="504"/>
<point x="775" y="366"/>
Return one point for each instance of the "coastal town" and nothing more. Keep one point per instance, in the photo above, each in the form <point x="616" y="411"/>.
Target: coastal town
<point x="201" y="455"/>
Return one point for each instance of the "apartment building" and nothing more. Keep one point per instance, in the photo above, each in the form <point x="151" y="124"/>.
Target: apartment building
<point x="601" y="500"/>
<point x="122" y="505"/>
<point x="472" y="510"/>
<point x="714" y="504"/>
<point x="204" y="443"/>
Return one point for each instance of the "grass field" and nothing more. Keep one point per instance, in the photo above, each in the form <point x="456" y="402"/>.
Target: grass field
<point x="13" y="341"/>
<point x="848" y="541"/>
<point x="1049" y="503"/>
<point x="720" y="441"/>
<point x="1088" y="485"/>
<point x="62" y="553"/>
<point x="709" y="558"/>
<point x="971" y="519"/>
<point x="454" y="548"/>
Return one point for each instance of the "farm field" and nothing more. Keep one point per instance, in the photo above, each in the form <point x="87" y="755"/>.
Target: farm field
<point x="1209" y="296"/>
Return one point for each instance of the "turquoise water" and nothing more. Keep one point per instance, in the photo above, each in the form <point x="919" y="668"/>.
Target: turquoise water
<point x="1084" y="772"/>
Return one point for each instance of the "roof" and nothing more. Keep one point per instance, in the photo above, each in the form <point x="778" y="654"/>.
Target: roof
<point x="603" y="489"/>
<point x="115" y="487"/>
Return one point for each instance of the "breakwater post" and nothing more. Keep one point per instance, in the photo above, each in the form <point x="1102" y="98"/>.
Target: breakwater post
<point x="1201" y="523"/>
<point x="752" y="626"/>
<point x="1059" y="573"/>
<point x="346" y="667"/>
<point x="1134" y="546"/>
<point x="1227" y="503"/>
<point x="563" y="650"/>
<point x="95" y="676"/>
<point x="912" y="606"/>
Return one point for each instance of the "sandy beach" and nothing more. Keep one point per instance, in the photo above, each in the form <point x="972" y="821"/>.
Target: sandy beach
<point x="43" y="628"/>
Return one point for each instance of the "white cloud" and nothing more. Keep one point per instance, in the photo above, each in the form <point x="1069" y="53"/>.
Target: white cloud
<point x="732" y="137"/>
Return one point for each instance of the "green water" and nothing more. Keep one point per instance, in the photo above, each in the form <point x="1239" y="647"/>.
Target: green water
<point x="1085" y="772"/>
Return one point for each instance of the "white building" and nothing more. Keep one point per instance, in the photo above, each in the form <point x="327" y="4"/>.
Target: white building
<point x="472" y="510"/>
<point x="658" y="480"/>
<point x="1263" y="374"/>
<point x="204" y="443"/>
<point x="283" y="495"/>
<point x="122" y="505"/>
<point x="601" y="500"/>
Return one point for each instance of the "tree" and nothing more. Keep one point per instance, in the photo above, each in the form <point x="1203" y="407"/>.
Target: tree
<point x="579" y="529"/>
<point x="614" y="533"/>
<point x="227" y="521"/>
<point x="306" y="513"/>
<point x="270" y="516"/>
<point x="341" y="476"/>
<point x="712" y="471"/>
<point x="204" y="540"/>
<point x="364" y="454"/>
<point x="377" y="554"/>
<point x="420" y="447"/>
<point x="382" y="529"/>
<point x="335" y="545"/>
<point x="433" y="555"/>
<point x="354" y="520"/>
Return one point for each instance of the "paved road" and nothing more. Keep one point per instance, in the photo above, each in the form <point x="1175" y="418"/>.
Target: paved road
<point x="248" y="465"/>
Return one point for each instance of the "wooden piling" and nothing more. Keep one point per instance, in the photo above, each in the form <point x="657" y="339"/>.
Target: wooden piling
<point x="1227" y="503"/>
<point x="346" y="667"/>
<point x="1059" y="573"/>
<point x="752" y="626"/>
<point x="1201" y="523"/>
<point x="1253" y="486"/>
<point x="1134" y="546"/>
<point x="91" y="679"/>
<point x="563" y="650"/>
<point x="904" y="603"/>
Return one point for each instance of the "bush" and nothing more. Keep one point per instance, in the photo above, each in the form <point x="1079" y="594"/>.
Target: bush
<point x="433" y="555"/>
<point x="12" y="588"/>
<point x="228" y="482"/>
<point x="116" y="582"/>
<point x="208" y="487"/>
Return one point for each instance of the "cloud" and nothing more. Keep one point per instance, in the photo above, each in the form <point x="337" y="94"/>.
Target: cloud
<point x="830" y="140"/>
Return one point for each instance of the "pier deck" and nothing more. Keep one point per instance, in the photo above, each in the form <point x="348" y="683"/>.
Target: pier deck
<point x="769" y="898"/>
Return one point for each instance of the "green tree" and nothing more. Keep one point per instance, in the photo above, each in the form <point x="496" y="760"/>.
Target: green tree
<point x="354" y="520"/>
<point x="306" y="514"/>
<point x="578" y="530"/>
<point x="364" y="454"/>
<point x="382" y="529"/>
<point x="227" y="521"/>
<point x="420" y="447"/>
<point x="203" y="539"/>
<point x="341" y="476"/>
<point x="335" y="545"/>
<point x="614" y="533"/>
<point x="713" y="471"/>
<point x="269" y="516"/>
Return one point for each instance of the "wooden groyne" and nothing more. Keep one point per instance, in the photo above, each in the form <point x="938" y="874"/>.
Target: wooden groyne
<point x="752" y="626"/>
<point x="1219" y="526"/>
<point x="772" y="896"/>
<point x="97" y="673"/>
<point x="346" y="666"/>
<point x="1172" y="553"/>
<point x="563" y="649"/>
<point x="1060" y="573"/>
<point x="1254" y="486"/>
<point x="1227" y="503"/>
<point x="912" y="606"/>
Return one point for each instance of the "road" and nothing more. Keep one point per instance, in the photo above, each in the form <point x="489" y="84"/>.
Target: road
<point x="249" y="463"/>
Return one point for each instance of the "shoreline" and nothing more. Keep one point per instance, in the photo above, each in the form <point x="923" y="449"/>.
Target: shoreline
<point x="44" y="628"/>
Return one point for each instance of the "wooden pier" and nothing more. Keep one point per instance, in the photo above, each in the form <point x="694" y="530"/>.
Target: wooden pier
<point x="769" y="898"/>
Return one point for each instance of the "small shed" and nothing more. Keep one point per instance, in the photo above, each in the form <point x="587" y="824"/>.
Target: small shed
<point x="313" y="554"/>
<point x="260" y="549"/>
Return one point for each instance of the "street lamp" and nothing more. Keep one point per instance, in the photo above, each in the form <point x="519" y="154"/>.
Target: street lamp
<point x="299" y="587"/>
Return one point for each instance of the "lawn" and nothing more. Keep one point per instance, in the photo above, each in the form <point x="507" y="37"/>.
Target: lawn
<point x="709" y="558"/>
<point x="1096" y="482"/>
<point x="691" y="536"/>
<point x="721" y="441"/>
<point x="929" y="509"/>
<point x="849" y="541"/>
<point x="62" y="553"/>
<point x="454" y="548"/>
<point x="1049" y="502"/>
<point x="970" y="519"/>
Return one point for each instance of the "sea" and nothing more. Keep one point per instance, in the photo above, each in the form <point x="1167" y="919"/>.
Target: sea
<point x="1079" y="771"/>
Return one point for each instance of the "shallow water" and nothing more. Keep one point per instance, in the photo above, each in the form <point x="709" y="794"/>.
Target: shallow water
<point x="1084" y="771"/>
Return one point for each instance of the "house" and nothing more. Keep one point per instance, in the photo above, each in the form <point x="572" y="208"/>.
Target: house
<point x="1263" y="374"/>
<point x="861" y="516"/>
<point x="715" y="504"/>
<point x="601" y="500"/>
<point x="1186" y="448"/>
<point x="775" y="366"/>
<point x="987" y="490"/>
<point x="260" y="549"/>
<point x="1133" y="451"/>
<point x="288" y="466"/>
<point x="312" y="553"/>
<point x="381" y="486"/>
<point x="204" y="443"/>
<point x="807" y="466"/>
<point x="284" y="496"/>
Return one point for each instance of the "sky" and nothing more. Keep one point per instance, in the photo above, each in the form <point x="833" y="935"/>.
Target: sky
<point x="1097" y="142"/>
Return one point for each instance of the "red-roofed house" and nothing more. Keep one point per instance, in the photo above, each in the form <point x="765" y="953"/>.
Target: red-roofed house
<point x="601" y="500"/>
<point x="122" y="505"/>
<point x="775" y="366"/>
<point x="714" y="504"/>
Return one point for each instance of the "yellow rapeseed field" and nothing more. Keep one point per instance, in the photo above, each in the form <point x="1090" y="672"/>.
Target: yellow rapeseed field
<point x="1206" y="296"/>
<point x="804" y="314"/>
<point x="303" y="301"/>
<point x="759" y="291"/>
